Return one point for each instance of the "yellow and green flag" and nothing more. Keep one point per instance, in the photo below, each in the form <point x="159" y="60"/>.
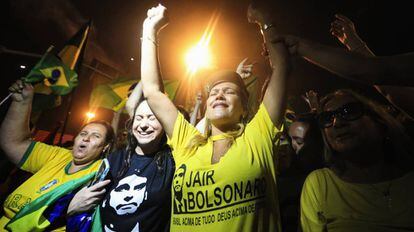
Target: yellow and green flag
<point x="57" y="73"/>
<point x="51" y="75"/>
<point x="113" y="95"/>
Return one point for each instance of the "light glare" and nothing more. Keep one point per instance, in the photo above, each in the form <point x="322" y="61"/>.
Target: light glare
<point x="90" y="115"/>
<point x="198" y="57"/>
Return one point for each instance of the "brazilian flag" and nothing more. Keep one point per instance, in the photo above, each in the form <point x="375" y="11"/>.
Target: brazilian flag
<point x="56" y="73"/>
<point x="113" y="96"/>
<point x="51" y="75"/>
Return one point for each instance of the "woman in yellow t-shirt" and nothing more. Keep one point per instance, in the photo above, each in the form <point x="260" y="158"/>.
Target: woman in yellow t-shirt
<point x="369" y="185"/>
<point x="225" y="178"/>
<point x="56" y="171"/>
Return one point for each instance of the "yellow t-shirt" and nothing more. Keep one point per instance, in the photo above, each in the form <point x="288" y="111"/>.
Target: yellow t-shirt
<point x="50" y="165"/>
<point x="236" y="194"/>
<point x="331" y="204"/>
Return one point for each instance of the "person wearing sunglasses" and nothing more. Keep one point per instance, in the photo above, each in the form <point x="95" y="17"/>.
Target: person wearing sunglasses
<point x="368" y="185"/>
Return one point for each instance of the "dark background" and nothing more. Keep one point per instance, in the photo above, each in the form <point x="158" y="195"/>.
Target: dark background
<point x="33" y="25"/>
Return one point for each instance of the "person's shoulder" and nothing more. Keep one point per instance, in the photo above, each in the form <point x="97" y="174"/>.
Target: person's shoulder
<point x="116" y="155"/>
<point x="319" y="175"/>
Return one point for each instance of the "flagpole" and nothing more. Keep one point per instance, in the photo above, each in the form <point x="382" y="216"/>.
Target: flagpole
<point x="5" y="99"/>
<point x="68" y="113"/>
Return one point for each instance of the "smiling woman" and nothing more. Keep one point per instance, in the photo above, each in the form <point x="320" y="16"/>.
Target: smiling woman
<point x="138" y="198"/>
<point x="226" y="177"/>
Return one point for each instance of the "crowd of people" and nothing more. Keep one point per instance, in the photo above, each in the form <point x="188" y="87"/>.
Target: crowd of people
<point x="345" y="165"/>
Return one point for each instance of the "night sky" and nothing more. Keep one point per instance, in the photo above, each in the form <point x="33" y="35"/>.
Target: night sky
<point x="33" y="25"/>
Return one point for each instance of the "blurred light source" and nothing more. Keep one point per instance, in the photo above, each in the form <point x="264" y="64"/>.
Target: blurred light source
<point x="23" y="66"/>
<point x="198" y="57"/>
<point x="90" y="115"/>
<point x="132" y="59"/>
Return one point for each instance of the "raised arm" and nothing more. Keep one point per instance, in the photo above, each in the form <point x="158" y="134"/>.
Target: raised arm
<point x="197" y="105"/>
<point x="14" y="131"/>
<point x="275" y="96"/>
<point x="134" y="99"/>
<point x="386" y="70"/>
<point x="159" y="103"/>
<point x="344" y="30"/>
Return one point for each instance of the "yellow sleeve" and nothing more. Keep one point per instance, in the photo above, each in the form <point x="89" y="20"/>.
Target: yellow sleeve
<point x="311" y="213"/>
<point x="183" y="132"/>
<point x="38" y="154"/>
<point x="262" y="132"/>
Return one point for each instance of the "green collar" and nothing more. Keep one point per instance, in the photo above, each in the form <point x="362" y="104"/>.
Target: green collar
<point x="70" y="164"/>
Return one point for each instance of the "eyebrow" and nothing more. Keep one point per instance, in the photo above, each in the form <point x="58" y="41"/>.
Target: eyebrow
<point x="121" y="187"/>
<point x="224" y="88"/>
<point x="140" y="186"/>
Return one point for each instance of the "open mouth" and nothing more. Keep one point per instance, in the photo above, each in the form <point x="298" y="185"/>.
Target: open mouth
<point x="82" y="147"/>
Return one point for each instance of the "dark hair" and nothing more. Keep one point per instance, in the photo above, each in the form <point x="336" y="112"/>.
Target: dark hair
<point x="397" y="141"/>
<point x="132" y="143"/>
<point x="183" y="112"/>
<point x="109" y="135"/>
<point x="313" y="148"/>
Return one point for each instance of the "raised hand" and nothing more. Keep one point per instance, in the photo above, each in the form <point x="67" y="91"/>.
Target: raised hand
<point x="259" y="13"/>
<point x="311" y="97"/>
<point x="344" y="30"/>
<point x="245" y="69"/>
<point x="87" y="198"/>
<point x="21" y="91"/>
<point x="156" y="19"/>
<point x="199" y="98"/>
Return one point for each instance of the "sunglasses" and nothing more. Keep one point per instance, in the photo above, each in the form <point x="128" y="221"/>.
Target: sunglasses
<point x="348" y="112"/>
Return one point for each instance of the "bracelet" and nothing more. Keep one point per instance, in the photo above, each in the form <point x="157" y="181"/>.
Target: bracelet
<point x="150" y="39"/>
<point x="267" y="26"/>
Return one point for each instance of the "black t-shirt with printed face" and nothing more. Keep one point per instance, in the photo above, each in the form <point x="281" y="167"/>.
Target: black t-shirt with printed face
<point x="141" y="199"/>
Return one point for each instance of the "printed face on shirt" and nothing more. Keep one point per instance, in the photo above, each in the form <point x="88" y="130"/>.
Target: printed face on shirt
<point x="146" y="127"/>
<point x="89" y="143"/>
<point x="224" y="106"/>
<point x="178" y="180"/>
<point x="128" y="195"/>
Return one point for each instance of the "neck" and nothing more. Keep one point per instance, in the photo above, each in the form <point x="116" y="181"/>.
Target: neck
<point x="367" y="166"/>
<point x="221" y="129"/>
<point x="146" y="149"/>
<point x="76" y="167"/>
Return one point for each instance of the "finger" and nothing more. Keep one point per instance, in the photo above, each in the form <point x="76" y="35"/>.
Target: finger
<point x="244" y="61"/>
<point x="337" y="26"/>
<point x="339" y="22"/>
<point x="343" y="18"/>
<point x="248" y="65"/>
<point x="99" y="185"/>
<point x="28" y="86"/>
<point x="336" y="33"/>
<point x="97" y="194"/>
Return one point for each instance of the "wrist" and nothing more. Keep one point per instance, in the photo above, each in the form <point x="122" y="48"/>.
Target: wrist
<point x="149" y="31"/>
<point x="265" y="27"/>
<point x="355" y="44"/>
